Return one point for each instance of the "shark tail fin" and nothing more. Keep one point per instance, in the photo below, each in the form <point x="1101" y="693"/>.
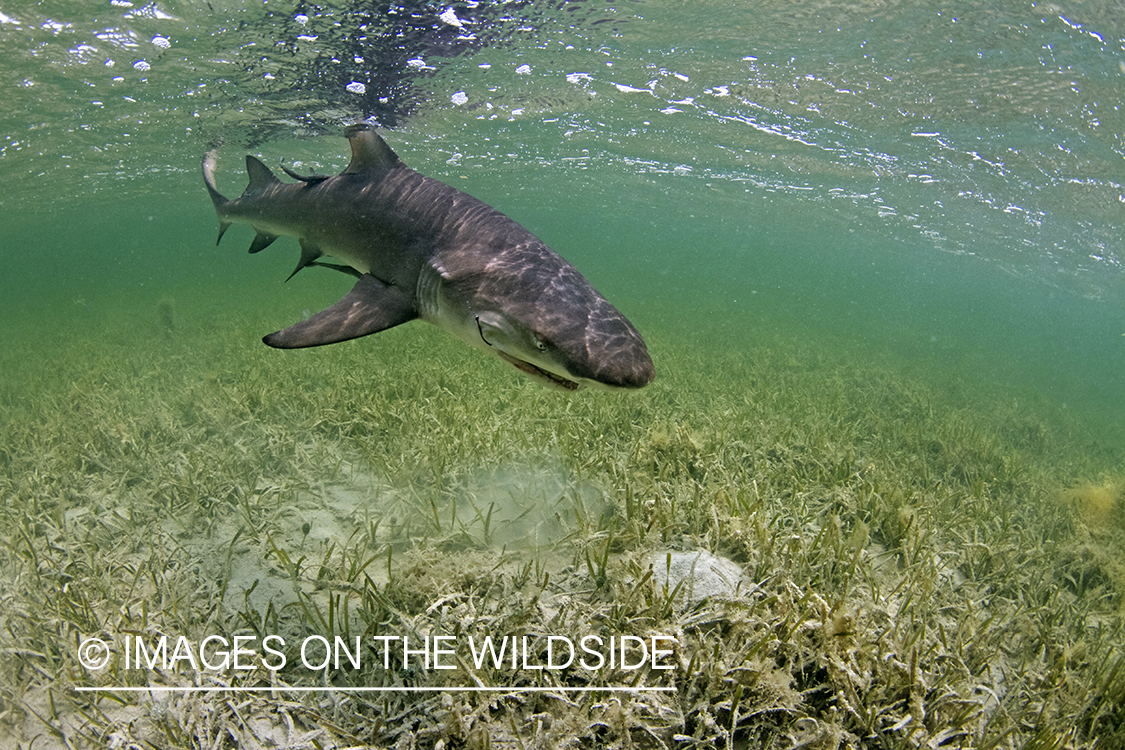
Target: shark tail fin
<point x="209" y="160"/>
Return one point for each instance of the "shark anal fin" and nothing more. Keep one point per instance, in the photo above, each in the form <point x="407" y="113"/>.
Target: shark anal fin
<point x="261" y="241"/>
<point x="223" y="227"/>
<point x="371" y="306"/>
<point x="309" y="253"/>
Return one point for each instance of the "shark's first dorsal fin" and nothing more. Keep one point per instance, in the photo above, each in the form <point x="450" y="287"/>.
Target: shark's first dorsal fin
<point x="370" y="153"/>
<point x="260" y="175"/>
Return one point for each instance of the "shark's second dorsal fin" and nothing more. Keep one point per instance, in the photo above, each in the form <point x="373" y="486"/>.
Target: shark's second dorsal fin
<point x="370" y="153"/>
<point x="260" y="175"/>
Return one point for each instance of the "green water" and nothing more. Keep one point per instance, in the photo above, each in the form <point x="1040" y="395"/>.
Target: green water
<point x="946" y="185"/>
<point x="876" y="252"/>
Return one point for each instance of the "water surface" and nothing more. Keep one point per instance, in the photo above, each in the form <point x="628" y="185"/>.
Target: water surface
<point x="942" y="182"/>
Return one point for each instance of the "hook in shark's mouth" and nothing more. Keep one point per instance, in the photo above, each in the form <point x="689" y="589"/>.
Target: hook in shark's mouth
<point x="544" y="376"/>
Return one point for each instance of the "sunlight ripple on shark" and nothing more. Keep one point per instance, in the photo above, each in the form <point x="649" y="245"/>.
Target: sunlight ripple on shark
<point x="422" y="249"/>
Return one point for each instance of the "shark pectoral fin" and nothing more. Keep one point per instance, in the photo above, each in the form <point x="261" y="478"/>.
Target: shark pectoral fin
<point x="371" y="306"/>
<point x="262" y="240"/>
<point x="309" y="253"/>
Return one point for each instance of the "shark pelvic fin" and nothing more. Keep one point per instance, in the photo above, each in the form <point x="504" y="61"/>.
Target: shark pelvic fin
<point x="260" y="176"/>
<point x="262" y="240"/>
<point x="309" y="253"/>
<point x="370" y="153"/>
<point x="371" y="306"/>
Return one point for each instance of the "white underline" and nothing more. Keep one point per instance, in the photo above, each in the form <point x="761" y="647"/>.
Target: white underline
<point x="453" y="689"/>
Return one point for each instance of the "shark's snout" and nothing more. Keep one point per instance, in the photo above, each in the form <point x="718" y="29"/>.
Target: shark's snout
<point x="629" y="367"/>
<point x="616" y="354"/>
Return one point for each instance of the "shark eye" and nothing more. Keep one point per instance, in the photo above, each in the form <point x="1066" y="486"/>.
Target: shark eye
<point x="540" y="343"/>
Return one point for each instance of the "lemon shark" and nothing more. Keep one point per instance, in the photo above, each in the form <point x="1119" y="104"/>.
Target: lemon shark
<point x="422" y="249"/>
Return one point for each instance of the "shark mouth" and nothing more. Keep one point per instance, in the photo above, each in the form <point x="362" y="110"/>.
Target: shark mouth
<point x="548" y="378"/>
